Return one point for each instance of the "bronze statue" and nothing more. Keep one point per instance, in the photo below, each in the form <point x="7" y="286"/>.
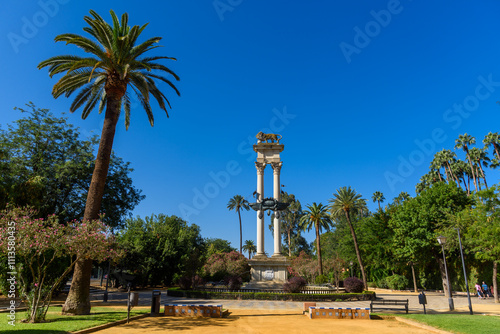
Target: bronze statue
<point x="261" y="136"/>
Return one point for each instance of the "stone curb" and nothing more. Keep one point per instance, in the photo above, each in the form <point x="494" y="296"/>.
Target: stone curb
<point x="110" y="324"/>
<point x="420" y="325"/>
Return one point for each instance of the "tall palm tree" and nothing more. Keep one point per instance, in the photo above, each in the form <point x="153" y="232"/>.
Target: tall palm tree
<point x="249" y="247"/>
<point x="115" y="62"/>
<point x="378" y="197"/>
<point x="237" y="203"/>
<point x="463" y="142"/>
<point x="494" y="140"/>
<point x="316" y="216"/>
<point x="347" y="202"/>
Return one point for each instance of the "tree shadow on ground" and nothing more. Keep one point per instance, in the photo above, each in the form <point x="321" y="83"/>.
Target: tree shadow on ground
<point x="178" y="323"/>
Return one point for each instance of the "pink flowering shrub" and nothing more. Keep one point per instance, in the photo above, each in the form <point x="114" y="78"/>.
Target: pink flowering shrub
<point x="33" y="245"/>
<point x="221" y="265"/>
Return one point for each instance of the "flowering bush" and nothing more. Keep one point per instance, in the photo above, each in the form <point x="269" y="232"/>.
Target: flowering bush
<point x="221" y="265"/>
<point x="294" y="284"/>
<point x="32" y="245"/>
<point x="353" y="285"/>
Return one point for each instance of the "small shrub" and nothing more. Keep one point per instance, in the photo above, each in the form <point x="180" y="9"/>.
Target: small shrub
<point x="294" y="285"/>
<point x="353" y="285"/>
<point x="397" y="282"/>
<point x="321" y="279"/>
<point x="197" y="281"/>
<point x="382" y="283"/>
<point x="372" y="284"/>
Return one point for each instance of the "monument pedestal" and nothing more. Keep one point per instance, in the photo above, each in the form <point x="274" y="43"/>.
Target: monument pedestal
<point x="268" y="272"/>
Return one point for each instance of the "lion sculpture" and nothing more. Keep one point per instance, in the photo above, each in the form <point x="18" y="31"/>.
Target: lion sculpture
<point x="261" y="136"/>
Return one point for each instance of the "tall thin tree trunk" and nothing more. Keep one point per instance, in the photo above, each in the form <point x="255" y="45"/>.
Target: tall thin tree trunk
<point x="471" y="169"/>
<point x="495" y="283"/>
<point x="358" y="254"/>
<point x="289" y="243"/>
<point x="414" y="278"/>
<point x="318" y="245"/>
<point x="78" y="300"/>
<point x="442" y="270"/>
<point x="495" y="145"/>
<point x="482" y="173"/>
<point x="241" y="233"/>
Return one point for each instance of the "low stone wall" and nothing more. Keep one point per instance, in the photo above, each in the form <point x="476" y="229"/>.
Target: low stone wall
<point x="193" y="310"/>
<point x="339" y="313"/>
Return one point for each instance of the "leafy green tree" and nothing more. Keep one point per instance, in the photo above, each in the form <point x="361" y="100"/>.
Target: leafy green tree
<point x="237" y="203"/>
<point x="116" y="61"/>
<point x="379" y="198"/>
<point x="217" y="245"/>
<point x="159" y="248"/>
<point x="250" y="247"/>
<point x="48" y="167"/>
<point x="416" y="224"/>
<point x="348" y="203"/>
<point x="316" y="216"/>
<point x="481" y="229"/>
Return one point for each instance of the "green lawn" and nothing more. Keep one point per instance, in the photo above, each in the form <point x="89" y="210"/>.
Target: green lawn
<point x="58" y="324"/>
<point x="458" y="323"/>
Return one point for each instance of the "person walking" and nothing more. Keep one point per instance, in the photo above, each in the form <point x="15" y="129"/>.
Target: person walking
<point x="479" y="291"/>
<point x="485" y="290"/>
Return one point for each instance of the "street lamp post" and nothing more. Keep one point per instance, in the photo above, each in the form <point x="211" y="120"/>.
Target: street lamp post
<point x="442" y="240"/>
<point x="465" y="273"/>
<point x="350" y="263"/>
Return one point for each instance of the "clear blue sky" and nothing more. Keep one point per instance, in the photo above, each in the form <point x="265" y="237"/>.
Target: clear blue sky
<point x="363" y="93"/>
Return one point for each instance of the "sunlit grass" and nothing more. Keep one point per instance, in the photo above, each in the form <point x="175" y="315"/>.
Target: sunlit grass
<point x="58" y="324"/>
<point x="458" y="323"/>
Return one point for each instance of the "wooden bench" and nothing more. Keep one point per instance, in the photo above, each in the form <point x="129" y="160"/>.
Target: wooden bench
<point x="389" y="304"/>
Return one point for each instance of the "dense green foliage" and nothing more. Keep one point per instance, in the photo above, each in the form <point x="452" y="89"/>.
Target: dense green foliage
<point x="161" y="249"/>
<point x="45" y="164"/>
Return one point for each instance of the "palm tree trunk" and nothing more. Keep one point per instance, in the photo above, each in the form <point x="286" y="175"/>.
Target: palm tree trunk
<point x="482" y="173"/>
<point x="241" y="234"/>
<point x="318" y="245"/>
<point x="471" y="169"/>
<point x="78" y="300"/>
<point x="495" y="145"/>
<point x="358" y="254"/>
<point x="379" y="206"/>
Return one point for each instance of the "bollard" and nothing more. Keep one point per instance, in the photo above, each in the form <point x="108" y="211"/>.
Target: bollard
<point x="155" y="302"/>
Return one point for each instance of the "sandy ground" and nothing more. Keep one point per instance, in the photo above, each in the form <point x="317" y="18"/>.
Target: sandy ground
<point x="261" y="321"/>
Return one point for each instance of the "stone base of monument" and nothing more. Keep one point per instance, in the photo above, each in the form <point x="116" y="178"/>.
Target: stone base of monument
<point x="269" y="273"/>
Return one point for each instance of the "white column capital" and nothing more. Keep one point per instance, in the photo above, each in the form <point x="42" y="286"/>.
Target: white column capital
<point x="260" y="168"/>
<point x="276" y="166"/>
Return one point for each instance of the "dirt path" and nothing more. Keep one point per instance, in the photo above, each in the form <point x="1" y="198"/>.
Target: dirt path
<point x="261" y="321"/>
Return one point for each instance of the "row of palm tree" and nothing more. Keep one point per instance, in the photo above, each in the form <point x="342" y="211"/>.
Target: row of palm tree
<point x="463" y="171"/>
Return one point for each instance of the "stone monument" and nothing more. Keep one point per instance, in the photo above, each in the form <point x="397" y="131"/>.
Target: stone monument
<point x="268" y="271"/>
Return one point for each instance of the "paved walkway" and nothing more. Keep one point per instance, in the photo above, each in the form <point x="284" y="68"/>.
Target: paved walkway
<point x="436" y="302"/>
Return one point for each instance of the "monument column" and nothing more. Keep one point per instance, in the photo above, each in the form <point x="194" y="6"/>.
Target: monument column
<point x="260" y="215"/>
<point x="277" y="194"/>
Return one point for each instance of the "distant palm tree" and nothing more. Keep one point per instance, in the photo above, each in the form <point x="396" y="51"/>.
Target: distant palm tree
<point x="494" y="140"/>
<point x="378" y="197"/>
<point x="237" y="203"/>
<point x="316" y="216"/>
<point x="115" y="62"/>
<point x="463" y="142"/>
<point x="347" y="202"/>
<point x="480" y="158"/>
<point x="249" y="247"/>
<point x="290" y="217"/>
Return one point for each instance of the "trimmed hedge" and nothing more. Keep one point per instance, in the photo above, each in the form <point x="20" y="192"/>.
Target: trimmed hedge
<point x="366" y="295"/>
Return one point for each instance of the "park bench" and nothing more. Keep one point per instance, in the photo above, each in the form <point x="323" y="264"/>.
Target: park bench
<point x="389" y="304"/>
